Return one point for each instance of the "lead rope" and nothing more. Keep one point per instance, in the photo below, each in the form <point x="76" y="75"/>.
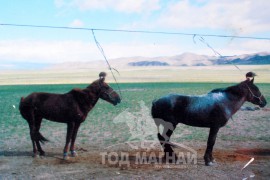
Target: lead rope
<point x="215" y="52"/>
<point x="109" y="66"/>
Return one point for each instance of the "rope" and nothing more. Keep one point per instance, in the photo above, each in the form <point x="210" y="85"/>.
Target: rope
<point x="137" y="31"/>
<point x="143" y="31"/>
<point x="215" y="51"/>
<point x="104" y="56"/>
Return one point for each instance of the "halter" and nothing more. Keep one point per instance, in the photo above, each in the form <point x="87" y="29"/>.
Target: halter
<point x="258" y="97"/>
<point x="109" y="94"/>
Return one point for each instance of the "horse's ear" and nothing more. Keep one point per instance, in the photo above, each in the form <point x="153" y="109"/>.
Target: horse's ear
<point x="102" y="76"/>
<point x="102" y="79"/>
<point x="252" y="81"/>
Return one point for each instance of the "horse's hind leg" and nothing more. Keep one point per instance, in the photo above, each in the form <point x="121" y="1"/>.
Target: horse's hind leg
<point x="32" y="129"/>
<point x="208" y="158"/>
<point x="37" y="124"/>
<point x="34" y="126"/>
<point x="28" y="116"/>
<point x="35" y="154"/>
<point x="164" y="140"/>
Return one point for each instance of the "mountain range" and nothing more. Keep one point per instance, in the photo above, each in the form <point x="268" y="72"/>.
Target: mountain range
<point x="190" y="59"/>
<point x="185" y="59"/>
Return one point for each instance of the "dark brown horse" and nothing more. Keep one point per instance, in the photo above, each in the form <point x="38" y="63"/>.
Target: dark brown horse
<point x="71" y="108"/>
<point x="212" y="110"/>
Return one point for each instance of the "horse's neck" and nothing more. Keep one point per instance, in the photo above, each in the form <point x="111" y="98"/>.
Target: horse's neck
<point x="93" y="95"/>
<point x="236" y="105"/>
<point x="237" y="99"/>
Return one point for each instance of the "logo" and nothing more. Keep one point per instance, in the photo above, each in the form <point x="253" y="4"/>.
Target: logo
<point x="143" y="141"/>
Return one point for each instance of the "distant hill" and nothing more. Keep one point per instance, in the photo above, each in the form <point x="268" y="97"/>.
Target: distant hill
<point x="256" y="59"/>
<point x="190" y="59"/>
<point x="185" y="59"/>
<point x="148" y="63"/>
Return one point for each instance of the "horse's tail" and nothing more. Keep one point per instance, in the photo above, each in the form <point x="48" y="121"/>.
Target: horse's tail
<point x="25" y="110"/>
<point x="155" y="117"/>
<point x="20" y="105"/>
<point x="37" y="136"/>
<point x="153" y="110"/>
<point x="22" y="108"/>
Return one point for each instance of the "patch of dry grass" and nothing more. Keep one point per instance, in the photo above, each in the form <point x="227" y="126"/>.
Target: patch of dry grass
<point x="140" y="74"/>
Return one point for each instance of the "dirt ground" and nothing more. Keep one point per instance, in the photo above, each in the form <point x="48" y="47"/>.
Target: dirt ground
<point x="231" y="157"/>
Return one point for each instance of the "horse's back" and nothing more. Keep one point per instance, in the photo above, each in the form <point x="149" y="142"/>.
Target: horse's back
<point x="198" y="111"/>
<point x="164" y="107"/>
<point x="39" y="99"/>
<point x="50" y="106"/>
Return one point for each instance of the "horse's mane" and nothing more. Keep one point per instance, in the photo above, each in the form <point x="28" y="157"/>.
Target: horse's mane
<point x="218" y="90"/>
<point x="234" y="88"/>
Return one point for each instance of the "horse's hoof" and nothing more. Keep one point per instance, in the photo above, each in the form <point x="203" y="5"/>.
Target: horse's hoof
<point x="73" y="154"/>
<point x="209" y="163"/>
<point x="65" y="156"/>
<point x="35" y="156"/>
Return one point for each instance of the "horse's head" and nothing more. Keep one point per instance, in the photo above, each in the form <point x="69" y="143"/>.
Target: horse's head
<point x="254" y="95"/>
<point x="104" y="91"/>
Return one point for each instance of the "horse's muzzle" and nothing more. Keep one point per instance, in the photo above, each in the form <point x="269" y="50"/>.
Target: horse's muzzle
<point x="262" y="104"/>
<point x="117" y="101"/>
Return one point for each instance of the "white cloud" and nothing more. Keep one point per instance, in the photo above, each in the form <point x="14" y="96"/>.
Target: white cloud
<point x="235" y="47"/>
<point x="126" y="6"/>
<point x="250" y="46"/>
<point x="243" y="16"/>
<point x="236" y="17"/>
<point x="116" y="50"/>
<point x="72" y="51"/>
<point x="59" y="3"/>
<point x="47" y="51"/>
<point x="78" y="51"/>
<point x="76" y="23"/>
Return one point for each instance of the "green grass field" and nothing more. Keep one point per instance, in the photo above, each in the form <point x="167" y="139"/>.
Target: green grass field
<point x="99" y="128"/>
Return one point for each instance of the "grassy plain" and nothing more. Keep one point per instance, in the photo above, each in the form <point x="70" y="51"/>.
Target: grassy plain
<point x="138" y="85"/>
<point x="101" y="129"/>
<point x="107" y="129"/>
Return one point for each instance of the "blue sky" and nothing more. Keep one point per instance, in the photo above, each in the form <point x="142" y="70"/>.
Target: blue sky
<point x="228" y="17"/>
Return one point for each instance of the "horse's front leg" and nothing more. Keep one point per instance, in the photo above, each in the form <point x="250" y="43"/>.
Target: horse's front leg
<point x="208" y="158"/>
<point x="73" y="138"/>
<point x="70" y="129"/>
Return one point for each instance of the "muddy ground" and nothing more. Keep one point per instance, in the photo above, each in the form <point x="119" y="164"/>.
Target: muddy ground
<point x="231" y="157"/>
